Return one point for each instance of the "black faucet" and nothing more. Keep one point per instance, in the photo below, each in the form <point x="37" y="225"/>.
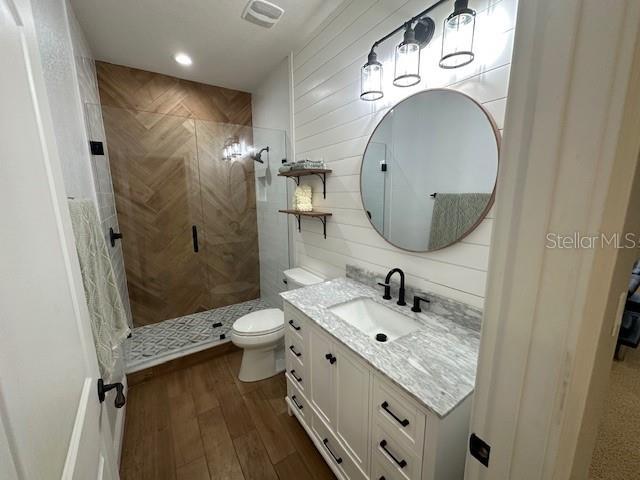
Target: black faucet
<point x="387" y="286"/>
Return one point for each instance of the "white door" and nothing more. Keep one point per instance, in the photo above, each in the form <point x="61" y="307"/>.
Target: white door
<point x="48" y="370"/>
<point x="352" y="410"/>
<point x="322" y="372"/>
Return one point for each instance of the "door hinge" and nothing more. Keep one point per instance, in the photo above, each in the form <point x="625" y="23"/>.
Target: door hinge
<point x="479" y="449"/>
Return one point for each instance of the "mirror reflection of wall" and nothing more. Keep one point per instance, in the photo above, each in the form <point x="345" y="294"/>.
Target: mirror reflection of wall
<point x="435" y="142"/>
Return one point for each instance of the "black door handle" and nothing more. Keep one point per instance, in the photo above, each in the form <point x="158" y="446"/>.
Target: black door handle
<point x="331" y="358"/>
<point x="194" y="235"/>
<point x="401" y="463"/>
<point x="293" y="349"/>
<point x="385" y="407"/>
<point x="104" y="388"/>
<point x="326" y="445"/>
<point x="298" y="379"/>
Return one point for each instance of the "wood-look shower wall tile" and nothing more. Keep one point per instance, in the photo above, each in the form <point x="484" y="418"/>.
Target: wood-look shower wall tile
<point x="127" y="87"/>
<point x="168" y="175"/>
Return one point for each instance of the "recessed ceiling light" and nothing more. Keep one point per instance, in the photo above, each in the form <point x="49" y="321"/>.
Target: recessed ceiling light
<point x="183" y="59"/>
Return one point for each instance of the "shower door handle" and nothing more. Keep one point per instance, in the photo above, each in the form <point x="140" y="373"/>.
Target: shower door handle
<point x="194" y="234"/>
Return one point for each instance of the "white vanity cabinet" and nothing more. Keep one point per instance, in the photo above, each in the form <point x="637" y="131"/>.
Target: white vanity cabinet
<point x="365" y="426"/>
<point x="340" y="385"/>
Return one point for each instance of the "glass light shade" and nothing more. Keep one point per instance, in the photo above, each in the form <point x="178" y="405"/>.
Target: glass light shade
<point x="457" y="38"/>
<point x="371" y="79"/>
<point x="407" y="71"/>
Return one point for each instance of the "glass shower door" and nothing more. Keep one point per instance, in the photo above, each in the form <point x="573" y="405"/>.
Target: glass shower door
<point x="246" y="239"/>
<point x="154" y="168"/>
<point x="230" y="234"/>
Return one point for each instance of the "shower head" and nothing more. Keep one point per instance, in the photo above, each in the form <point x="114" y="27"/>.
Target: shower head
<point x="258" y="156"/>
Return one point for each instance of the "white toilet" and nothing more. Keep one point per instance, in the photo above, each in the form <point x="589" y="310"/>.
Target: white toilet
<point x="261" y="334"/>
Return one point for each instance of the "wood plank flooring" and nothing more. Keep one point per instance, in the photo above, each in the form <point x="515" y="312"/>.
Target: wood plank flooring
<point x="202" y="423"/>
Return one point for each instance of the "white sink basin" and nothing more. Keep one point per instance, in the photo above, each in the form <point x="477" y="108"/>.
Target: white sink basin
<point x="372" y="318"/>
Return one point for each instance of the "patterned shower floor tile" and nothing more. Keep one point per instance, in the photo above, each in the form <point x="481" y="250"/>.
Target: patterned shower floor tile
<point x="151" y="343"/>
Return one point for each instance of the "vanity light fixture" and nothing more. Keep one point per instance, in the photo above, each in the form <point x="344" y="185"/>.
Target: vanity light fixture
<point x="183" y="59"/>
<point x="457" y="48"/>
<point x="407" y="70"/>
<point x="371" y="78"/>
<point x="457" y="36"/>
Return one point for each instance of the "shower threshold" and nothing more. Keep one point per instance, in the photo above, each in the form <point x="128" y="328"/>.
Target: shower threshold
<point x="161" y="342"/>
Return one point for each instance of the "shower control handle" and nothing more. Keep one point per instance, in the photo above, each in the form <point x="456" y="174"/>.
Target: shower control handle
<point x="194" y="235"/>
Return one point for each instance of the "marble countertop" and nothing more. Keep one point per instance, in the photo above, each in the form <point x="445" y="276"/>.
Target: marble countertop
<point x="435" y="364"/>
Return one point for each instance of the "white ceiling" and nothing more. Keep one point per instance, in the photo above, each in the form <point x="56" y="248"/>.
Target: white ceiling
<point x="226" y="50"/>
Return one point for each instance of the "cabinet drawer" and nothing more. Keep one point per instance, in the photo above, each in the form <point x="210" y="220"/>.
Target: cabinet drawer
<point x="381" y="470"/>
<point x="295" y="321"/>
<point x="395" y="455"/>
<point x="398" y="413"/>
<point x="334" y="451"/>
<point x="298" y="403"/>
<point x="294" y="346"/>
<point x="296" y="373"/>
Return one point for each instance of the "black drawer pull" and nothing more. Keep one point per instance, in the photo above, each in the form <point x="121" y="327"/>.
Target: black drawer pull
<point x="326" y="445"/>
<point x="401" y="463"/>
<point x="331" y="358"/>
<point x="292" y="348"/>
<point x="382" y="478"/>
<point x="293" y="325"/>
<point x="385" y="407"/>
<point x="293" y="399"/>
<point x="298" y="379"/>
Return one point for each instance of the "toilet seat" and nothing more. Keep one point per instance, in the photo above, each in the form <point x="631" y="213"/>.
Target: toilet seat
<point x="260" y="323"/>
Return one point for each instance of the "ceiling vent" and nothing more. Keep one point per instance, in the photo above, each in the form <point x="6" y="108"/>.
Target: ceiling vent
<point x="262" y="13"/>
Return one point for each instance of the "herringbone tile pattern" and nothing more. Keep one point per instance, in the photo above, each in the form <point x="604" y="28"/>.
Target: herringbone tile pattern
<point x="168" y="175"/>
<point x="126" y="87"/>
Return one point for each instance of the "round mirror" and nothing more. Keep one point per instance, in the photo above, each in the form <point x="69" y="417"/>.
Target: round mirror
<point x="429" y="171"/>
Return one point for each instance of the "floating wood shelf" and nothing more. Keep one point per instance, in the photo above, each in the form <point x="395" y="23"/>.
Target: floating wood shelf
<point x="321" y="215"/>
<point x="320" y="172"/>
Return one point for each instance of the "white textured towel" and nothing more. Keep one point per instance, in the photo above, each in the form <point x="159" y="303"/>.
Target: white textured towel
<point x="108" y="318"/>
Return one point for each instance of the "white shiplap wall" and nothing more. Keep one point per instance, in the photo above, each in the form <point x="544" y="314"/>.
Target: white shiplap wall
<point x="333" y="124"/>
<point x="271" y="127"/>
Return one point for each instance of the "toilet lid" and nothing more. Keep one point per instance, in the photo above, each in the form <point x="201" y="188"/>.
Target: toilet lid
<point x="261" y="322"/>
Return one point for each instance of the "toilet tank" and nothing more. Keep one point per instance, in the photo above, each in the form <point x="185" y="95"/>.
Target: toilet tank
<point x="300" y="277"/>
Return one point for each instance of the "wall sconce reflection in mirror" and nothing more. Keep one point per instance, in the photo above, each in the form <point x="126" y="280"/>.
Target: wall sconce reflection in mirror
<point x="457" y="48"/>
